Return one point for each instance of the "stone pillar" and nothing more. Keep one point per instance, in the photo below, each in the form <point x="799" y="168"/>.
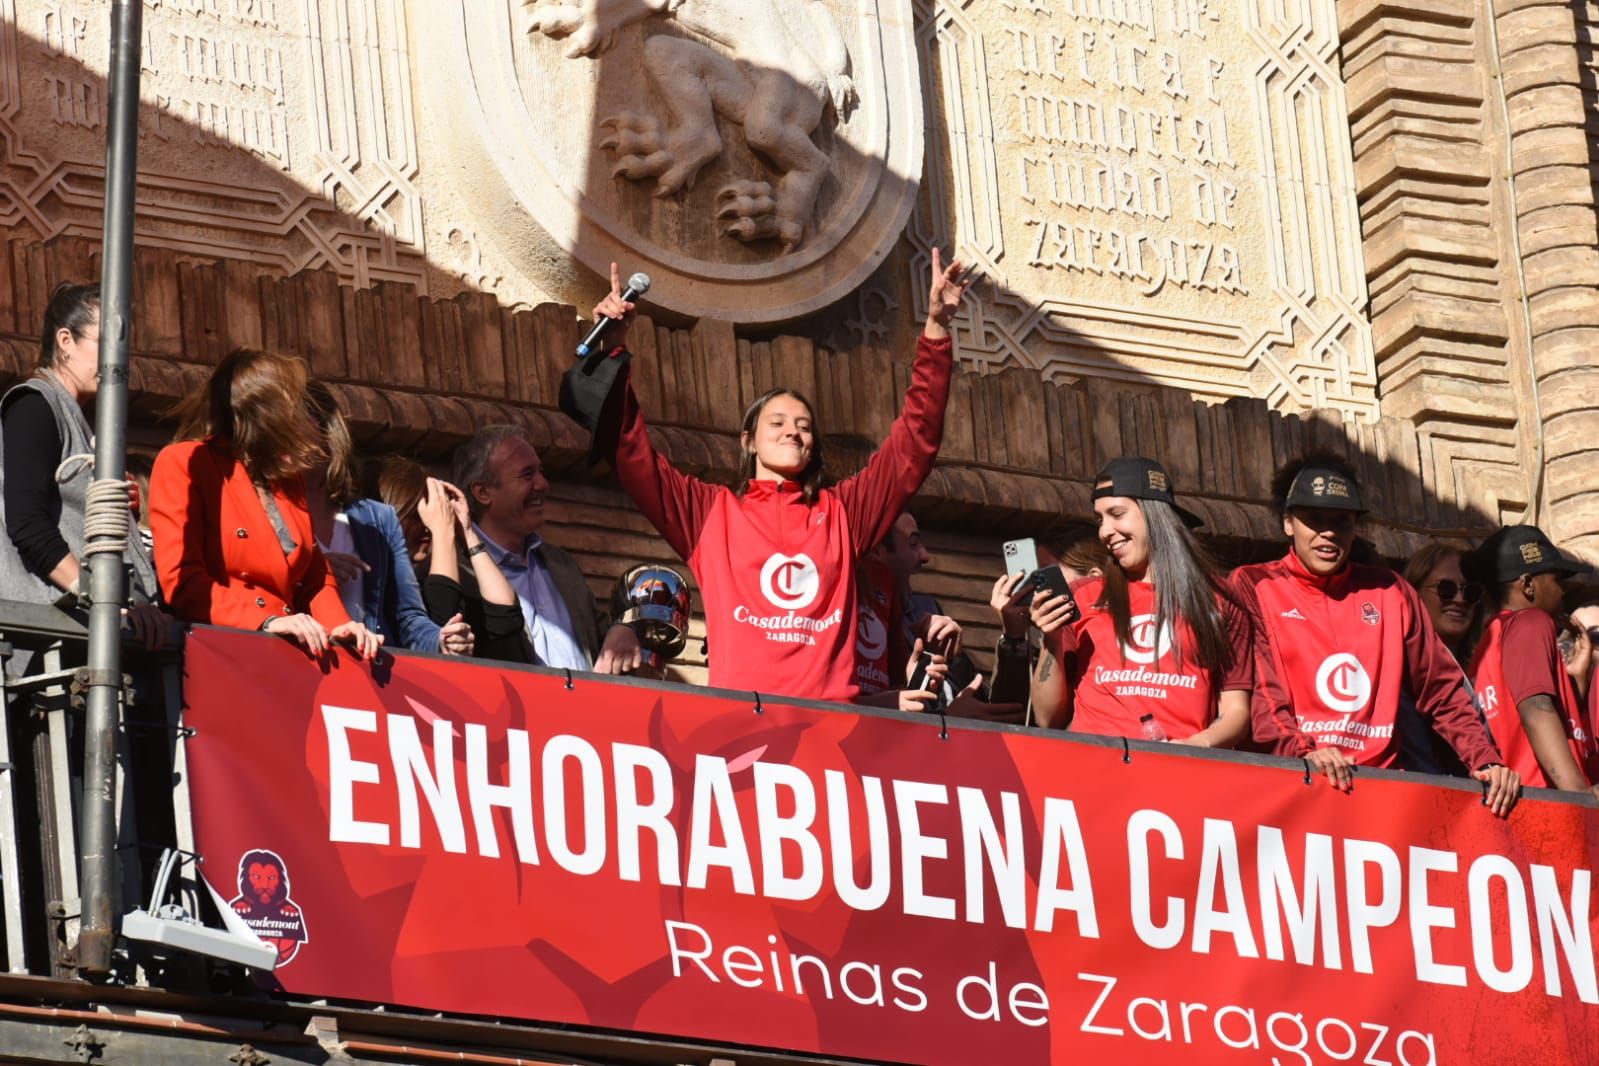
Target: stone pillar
<point x="1444" y="322"/>
<point x="1558" y="240"/>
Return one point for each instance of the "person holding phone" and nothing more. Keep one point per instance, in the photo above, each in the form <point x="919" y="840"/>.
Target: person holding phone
<point x="1077" y="556"/>
<point x="776" y="557"/>
<point x="1157" y="648"/>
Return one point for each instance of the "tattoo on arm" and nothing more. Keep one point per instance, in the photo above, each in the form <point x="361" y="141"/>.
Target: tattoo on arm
<point x="1545" y="726"/>
<point x="1046" y="664"/>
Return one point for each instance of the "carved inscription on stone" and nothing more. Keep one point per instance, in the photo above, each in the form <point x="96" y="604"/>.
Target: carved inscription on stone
<point x="1159" y="189"/>
<point x="278" y="131"/>
<point x="758" y="158"/>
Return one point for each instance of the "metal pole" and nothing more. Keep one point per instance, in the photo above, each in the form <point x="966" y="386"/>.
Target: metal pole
<point x="106" y="576"/>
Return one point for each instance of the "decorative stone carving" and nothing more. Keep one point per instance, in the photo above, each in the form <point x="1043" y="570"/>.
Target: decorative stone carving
<point x="770" y="67"/>
<point x="1159" y="190"/>
<point x="758" y="158"/>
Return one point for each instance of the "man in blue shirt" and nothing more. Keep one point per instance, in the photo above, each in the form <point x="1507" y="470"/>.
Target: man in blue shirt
<point x="499" y="471"/>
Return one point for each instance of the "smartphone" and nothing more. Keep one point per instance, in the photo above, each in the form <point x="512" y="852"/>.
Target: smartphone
<point x="920" y="680"/>
<point x="1022" y="555"/>
<point x="1566" y="638"/>
<point x="1051" y="581"/>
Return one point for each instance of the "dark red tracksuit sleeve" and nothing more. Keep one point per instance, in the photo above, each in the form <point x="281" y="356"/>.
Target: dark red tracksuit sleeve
<point x="874" y="498"/>
<point x="1273" y="725"/>
<point x="675" y="503"/>
<point x="1439" y="687"/>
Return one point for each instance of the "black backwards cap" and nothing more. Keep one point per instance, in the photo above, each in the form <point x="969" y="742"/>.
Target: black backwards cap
<point x="1138" y="478"/>
<point x="1516" y="551"/>
<point x="1324" y="487"/>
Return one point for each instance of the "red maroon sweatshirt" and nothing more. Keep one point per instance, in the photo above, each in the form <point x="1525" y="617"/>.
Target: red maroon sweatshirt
<point x="777" y="575"/>
<point x="1336" y="653"/>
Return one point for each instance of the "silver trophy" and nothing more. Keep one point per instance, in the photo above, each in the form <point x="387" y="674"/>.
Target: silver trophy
<point x="655" y="602"/>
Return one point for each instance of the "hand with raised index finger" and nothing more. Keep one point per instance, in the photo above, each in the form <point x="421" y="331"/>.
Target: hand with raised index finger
<point x="944" y="297"/>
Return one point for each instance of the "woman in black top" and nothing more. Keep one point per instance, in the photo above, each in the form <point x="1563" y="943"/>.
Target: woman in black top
<point x="461" y="577"/>
<point x="41" y="424"/>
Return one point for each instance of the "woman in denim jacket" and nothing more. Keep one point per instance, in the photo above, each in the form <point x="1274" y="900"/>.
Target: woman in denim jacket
<point x="365" y="547"/>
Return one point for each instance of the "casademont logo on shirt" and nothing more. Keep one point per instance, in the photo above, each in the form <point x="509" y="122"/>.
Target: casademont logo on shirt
<point x="871" y="635"/>
<point x="790" y="583"/>
<point x="1342" y="684"/>
<point x="1147" y="645"/>
<point x="1344" y="687"/>
<point x="871" y="643"/>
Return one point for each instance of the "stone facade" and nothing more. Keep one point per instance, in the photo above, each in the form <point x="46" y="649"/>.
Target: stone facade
<point x="1215" y="233"/>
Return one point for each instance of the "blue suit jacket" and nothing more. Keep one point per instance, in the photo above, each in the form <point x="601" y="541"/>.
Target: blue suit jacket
<point x="392" y="603"/>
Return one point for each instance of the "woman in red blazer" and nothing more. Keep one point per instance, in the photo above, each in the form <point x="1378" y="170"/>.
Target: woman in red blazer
<point x="222" y="554"/>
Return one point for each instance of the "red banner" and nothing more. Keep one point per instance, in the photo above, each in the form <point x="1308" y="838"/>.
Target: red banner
<point x="456" y="837"/>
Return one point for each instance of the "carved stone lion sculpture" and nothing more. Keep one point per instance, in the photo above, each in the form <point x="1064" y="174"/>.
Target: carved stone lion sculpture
<point x="772" y="67"/>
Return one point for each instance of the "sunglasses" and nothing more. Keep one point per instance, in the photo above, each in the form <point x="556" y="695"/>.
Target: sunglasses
<point x="1447" y="590"/>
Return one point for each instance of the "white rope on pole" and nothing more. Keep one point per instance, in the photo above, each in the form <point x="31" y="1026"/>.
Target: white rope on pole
<point x="106" y="516"/>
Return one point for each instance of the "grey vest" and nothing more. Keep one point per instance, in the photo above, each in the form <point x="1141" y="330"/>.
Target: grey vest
<point x="16" y="583"/>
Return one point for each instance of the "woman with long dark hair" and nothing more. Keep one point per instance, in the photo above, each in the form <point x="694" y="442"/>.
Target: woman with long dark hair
<point x="776" y="556"/>
<point x="233" y="539"/>
<point x="1157" y="648"/>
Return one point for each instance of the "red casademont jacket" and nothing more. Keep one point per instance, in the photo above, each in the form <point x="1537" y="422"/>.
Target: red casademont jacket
<point x="1336" y="653"/>
<point x="777" y="576"/>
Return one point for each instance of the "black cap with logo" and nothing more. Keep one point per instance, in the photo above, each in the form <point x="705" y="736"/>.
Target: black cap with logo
<point x="1516" y="551"/>
<point x="1324" y="487"/>
<point x="1138" y="478"/>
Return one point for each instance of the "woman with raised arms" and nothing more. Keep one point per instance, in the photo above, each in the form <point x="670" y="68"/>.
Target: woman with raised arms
<point x="1156" y="648"/>
<point x="776" y="557"/>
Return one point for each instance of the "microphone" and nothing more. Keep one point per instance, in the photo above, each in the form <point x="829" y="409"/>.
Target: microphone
<point x="637" y="286"/>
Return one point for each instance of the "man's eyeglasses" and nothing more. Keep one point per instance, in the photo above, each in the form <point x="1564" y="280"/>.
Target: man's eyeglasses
<point x="1593" y="636"/>
<point x="1447" y="590"/>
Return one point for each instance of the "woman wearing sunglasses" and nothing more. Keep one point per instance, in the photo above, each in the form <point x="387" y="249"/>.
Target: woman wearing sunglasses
<point x="1453" y="603"/>
<point x="1455" y="607"/>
